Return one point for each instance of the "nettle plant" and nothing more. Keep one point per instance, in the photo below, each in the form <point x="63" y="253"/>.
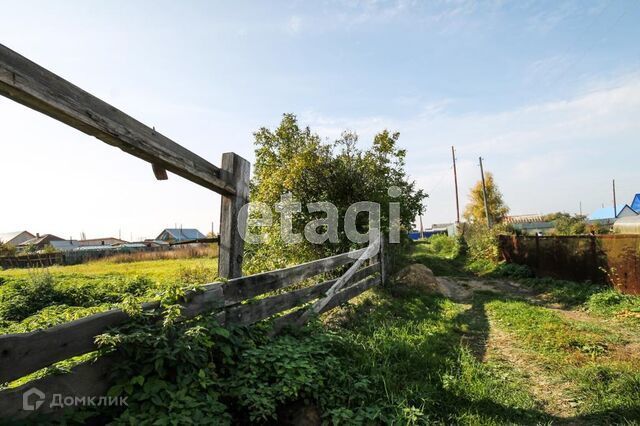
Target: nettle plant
<point x="175" y="372"/>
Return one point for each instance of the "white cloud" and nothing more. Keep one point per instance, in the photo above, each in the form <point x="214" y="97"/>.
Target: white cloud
<point x="546" y="156"/>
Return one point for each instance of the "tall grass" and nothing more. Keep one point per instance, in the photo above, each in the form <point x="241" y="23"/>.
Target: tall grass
<point x="191" y="252"/>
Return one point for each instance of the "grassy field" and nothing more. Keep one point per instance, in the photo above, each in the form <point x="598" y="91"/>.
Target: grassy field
<point x="33" y="299"/>
<point x="526" y="352"/>
<point x="517" y="351"/>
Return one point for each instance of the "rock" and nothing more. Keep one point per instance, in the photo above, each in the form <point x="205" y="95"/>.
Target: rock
<point x="417" y="276"/>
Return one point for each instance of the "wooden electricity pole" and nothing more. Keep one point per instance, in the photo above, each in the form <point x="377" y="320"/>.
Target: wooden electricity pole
<point x="455" y="181"/>
<point x="484" y="195"/>
<point x="615" y="206"/>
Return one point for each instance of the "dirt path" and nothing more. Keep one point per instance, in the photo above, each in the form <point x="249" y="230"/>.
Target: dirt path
<point x="552" y="391"/>
<point x="462" y="290"/>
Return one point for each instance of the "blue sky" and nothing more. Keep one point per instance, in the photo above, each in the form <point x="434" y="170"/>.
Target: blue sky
<point x="548" y="92"/>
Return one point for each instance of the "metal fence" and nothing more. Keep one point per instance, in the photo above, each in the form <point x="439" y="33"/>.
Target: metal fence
<point x="614" y="259"/>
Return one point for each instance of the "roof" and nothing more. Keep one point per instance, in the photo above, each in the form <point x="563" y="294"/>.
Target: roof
<point x="99" y="241"/>
<point x="607" y="212"/>
<point x="524" y="218"/>
<point x="42" y="239"/>
<point x="8" y="236"/>
<point x="635" y="204"/>
<point x="64" y="245"/>
<point x="183" y="234"/>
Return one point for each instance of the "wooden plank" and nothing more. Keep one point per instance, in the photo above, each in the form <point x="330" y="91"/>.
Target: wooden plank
<point x="341" y="297"/>
<point x="84" y="380"/>
<point x="88" y="379"/>
<point x="239" y="289"/>
<point x="384" y="269"/>
<point x="253" y="312"/>
<point x="371" y="250"/>
<point x="231" y="245"/>
<point x="35" y="87"/>
<point x="21" y="354"/>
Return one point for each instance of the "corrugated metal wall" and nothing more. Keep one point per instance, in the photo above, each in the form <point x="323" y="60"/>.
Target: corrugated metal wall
<point x="614" y="259"/>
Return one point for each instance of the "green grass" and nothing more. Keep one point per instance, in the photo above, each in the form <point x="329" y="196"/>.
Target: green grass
<point x="604" y="374"/>
<point x="162" y="271"/>
<point x="36" y="299"/>
<point x="443" y="260"/>
<point x="410" y="345"/>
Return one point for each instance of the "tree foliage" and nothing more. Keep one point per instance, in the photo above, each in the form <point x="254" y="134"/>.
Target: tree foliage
<point x="292" y="159"/>
<point x="7" y="250"/>
<point x="566" y="224"/>
<point x="475" y="209"/>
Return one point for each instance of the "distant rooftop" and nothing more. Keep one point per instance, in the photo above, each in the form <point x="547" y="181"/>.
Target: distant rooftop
<point x="607" y="212"/>
<point x="635" y="204"/>
<point x="524" y="218"/>
<point x="8" y="236"/>
<point x="177" y="234"/>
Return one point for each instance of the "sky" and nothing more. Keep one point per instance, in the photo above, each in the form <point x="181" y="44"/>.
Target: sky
<point x="547" y="92"/>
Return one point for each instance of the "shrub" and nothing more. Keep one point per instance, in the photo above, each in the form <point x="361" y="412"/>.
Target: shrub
<point x="23" y="298"/>
<point x="483" y="246"/>
<point x="444" y="246"/>
<point x="513" y="270"/>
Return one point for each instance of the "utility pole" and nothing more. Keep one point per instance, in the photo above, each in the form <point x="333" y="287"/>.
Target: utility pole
<point x="455" y="180"/>
<point x="484" y="195"/>
<point x="580" y="208"/>
<point x="615" y="206"/>
<point x="421" y="228"/>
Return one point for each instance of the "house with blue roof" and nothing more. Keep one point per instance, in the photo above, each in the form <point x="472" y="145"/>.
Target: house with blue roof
<point x="605" y="216"/>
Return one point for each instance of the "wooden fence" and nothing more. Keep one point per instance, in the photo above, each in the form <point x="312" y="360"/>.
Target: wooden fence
<point x="22" y="354"/>
<point x="39" y="260"/>
<point x="613" y="259"/>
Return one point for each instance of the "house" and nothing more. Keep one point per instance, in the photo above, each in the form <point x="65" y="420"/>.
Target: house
<point x="16" y="238"/>
<point x="175" y="235"/>
<point x="38" y="242"/>
<point x="109" y="241"/>
<point x="605" y="216"/>
<point x="68" y="245"/>
<point x="530" y="224"/>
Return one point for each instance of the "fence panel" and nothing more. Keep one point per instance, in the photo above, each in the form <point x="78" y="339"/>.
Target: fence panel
<point x="614" y="259"/>
<point x="21" y="354"/>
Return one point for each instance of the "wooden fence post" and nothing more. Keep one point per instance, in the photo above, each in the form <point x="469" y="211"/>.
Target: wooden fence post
<point x="384" y="266"/>
<point x="231" y="244"/>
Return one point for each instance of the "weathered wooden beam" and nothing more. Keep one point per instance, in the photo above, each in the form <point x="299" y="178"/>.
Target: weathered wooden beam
<point x="35" y="87"/>
<point x="251" y="313"/>
<point x="231" y="245"/>
<point x="339" y="298"/>
<point x="244" y="288"/>
<point x="371" y="251"/>
<point x="24" y="353"/>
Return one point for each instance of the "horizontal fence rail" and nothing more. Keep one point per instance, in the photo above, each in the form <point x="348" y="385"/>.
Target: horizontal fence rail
<point x="35" y="87"/>
<point x="22" y="354"/>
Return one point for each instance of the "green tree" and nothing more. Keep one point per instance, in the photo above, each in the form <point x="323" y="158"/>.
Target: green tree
<point x="292" y="159"/>
<point x="475" y="211"/>
<point x="7" y="250"/>
<point x="566" y="224"/>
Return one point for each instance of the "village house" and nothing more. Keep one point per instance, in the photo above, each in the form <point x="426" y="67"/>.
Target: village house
<point x="179" y="235"/>
<point x="16" y="238"/>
